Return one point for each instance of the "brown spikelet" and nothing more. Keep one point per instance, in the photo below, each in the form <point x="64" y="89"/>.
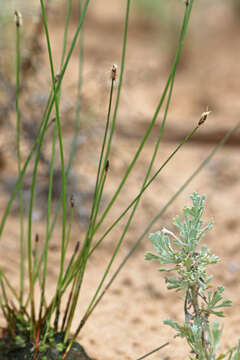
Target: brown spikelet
<point x="18" y="18"/>
<point x="203" y="117"/>
<point x="72" y="202"/>
<point x="114" y="72"/>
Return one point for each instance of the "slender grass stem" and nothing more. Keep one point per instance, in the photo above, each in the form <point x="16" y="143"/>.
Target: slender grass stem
<point x="69" y="227"/>
<point x="77" y="281"/>
<point x="68" y="306"/>
<point x="51" y="172"/>
<point x="49" y="207"/>
<point x="69" y="265"/>
<point x="3" y="309"/>
<point x="102" y="167"/>
<point x="77" y="120"/>
<point x="71" y="261"/>
<point x="153" y="351"/>
<point x="102" y="164"/>
<point x="79" y="92"/>
<point x="99" y="178"/>
<point x="11" y="288"/>
<point x="76" y="290"/>
<point x="99" y="195"/>
<point x="172" y="73"/>
<point x="88" y="239"/>
<point x="45" y="121"/>
<point x="167" y="205"/>
<point x="92" y="305"/>
<point x="156" y="218"/>
<point x="56" y="100"/>
<point x="40" y="134"/>
<point x="38" y="144"/>
<point x="143" y="189"/>
<point x="29" y="247"/>
<point x="124" y="48"/>
<point x="21" y="207"/>
<point x="143" y="185"/>
<point x="58" y="125"/>
<point x="65" y="37"/>
<point x="24" y="168"/>
<point x="46" y="117"/>
<point x="69" y="7"/>
<point x="119" y="89"/>
<point x="58" y="290"/>
<point x="4" y="294"/>
<point x="73" y="147"/>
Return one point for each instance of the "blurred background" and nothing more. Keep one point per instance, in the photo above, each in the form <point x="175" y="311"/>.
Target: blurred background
<point x="207" y="77"/>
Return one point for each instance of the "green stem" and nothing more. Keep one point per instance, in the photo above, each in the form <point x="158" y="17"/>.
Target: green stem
<point x="153" y="351"/>
<point x="59" y="283"/>
<point x="77" y="119"/>
<point x="67" y="308"/>
<point x="143" y="189"/>
<point x="49" y="207"/>
<point x="51" y="172"/>
<point x="21" y="207"/>
<point x="58" y="124"/>
<point x="92" y="305"/>
<point x="144" y="183"/>
<point x="11" y="288"/>
<point x="75" y="289"/>
<point x="24" y="168"/>
<point x="71" y="261"/>
<point x="39" y="138"/>
<point x="88" y="240"/>
<point x="167" y="205"/>
<point x="46" y="116"/>
<point x="101" y="172"/>
<point x="78" y="105"/>
<point x="172" y="73"/>
<point x="69" y="7"/>
<point x="56" y="100"/>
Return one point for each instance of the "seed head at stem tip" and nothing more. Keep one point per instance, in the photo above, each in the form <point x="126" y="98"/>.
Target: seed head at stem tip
<point x="203" y="117"/>
<point x="18" y="18"/>
<point x="114" y="72"/>
<point x="72" y="201"/>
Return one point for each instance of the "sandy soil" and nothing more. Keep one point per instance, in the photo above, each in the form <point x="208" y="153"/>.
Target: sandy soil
<point x="129" y="320"/>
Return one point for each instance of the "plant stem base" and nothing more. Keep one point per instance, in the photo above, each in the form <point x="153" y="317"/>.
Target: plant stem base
<point x="11" y="351"/>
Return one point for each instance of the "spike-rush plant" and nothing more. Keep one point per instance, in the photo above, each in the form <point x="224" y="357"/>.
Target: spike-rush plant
<point x="41" y="330"/>
<point x="190" y="262"/>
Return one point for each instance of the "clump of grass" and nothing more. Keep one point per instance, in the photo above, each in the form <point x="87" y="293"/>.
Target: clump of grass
<point x="190" y="264"/>
<point x="46" y="328"/>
